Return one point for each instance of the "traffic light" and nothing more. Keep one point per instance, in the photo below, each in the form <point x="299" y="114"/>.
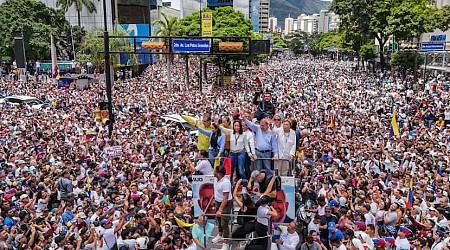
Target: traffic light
<point x="102" y="113"/>
<point x="231" y="46"/>
<point x="153" y="45"/>
<point x="409" y="46"/>
<point x="393" y="47"/>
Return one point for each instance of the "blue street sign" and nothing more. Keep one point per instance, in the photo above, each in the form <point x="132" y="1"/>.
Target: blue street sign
<point x="432" y="46"/>
<point x="189" y="46"/>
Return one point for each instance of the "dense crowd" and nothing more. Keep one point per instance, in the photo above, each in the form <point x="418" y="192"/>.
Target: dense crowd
<point x="369" y="152"/>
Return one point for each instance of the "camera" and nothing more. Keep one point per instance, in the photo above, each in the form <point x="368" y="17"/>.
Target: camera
<point x="244" y="183"/>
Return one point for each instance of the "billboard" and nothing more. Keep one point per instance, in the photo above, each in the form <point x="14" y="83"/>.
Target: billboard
<point x="138" y="30"/>
<point x="254" y="14"/>
<point x="220" y="3"/>
<point x="203" y="194"/>
<point x="207" y="23"/>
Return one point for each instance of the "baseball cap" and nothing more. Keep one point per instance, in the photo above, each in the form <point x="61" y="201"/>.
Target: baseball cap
<point x="81" y="215"/>
<point x="333" y="203"/>
<point x="105" y="221"/>
<point x="328" y="208"/>
<point x="331" y="225"/>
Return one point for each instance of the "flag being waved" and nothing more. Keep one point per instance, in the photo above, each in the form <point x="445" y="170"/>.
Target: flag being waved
<point x="394" y="126"/>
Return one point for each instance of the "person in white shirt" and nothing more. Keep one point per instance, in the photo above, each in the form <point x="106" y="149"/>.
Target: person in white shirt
<point x="203" y="166"/>
<point x="224" y="204"/>
<point x="401" y="242"/>
<point x="438" y="243"/>
<point x="289" y="238"/>
<point x="237" y="148"/>
<point x="337" y="244"/>
<point x="287" y="142"/>
<point x="249" y="149"/>
<point x="110" y="229"/>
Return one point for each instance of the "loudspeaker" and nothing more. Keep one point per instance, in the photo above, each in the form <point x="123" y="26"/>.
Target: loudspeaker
<point x="260" y="47"/>
<point x="19" y="52"/>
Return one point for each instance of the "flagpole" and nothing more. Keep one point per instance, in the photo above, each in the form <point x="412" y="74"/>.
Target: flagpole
<point x="53" y="55"/>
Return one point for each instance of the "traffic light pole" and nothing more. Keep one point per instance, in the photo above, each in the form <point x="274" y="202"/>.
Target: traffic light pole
<point x="108" y="72"/>
<point x="200" y="79"/>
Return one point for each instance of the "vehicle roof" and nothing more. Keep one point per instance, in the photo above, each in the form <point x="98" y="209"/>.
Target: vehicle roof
<point x="22" y="97"/>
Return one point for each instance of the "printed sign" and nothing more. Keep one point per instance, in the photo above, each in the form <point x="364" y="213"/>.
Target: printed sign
<point x="203" y="194"/>
<point x="207" y="24"/>
<point x="189" y="46"/>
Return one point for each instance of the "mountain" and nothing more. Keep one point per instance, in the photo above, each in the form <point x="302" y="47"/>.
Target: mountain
<point x="283" y="8"/>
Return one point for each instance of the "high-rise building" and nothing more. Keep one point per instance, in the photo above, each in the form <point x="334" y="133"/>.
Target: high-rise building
<point x="273" y="22"/>
<point x="288" y="25"/>
<point x="242" y="6"/>
<point x="264" y="10"/>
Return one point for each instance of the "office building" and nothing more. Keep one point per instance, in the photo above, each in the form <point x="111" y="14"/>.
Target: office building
<point x="264" y="10"/>
<point x="242" y="6"/>
<point x="288" y="25"/>
<point x="273" y="22"/>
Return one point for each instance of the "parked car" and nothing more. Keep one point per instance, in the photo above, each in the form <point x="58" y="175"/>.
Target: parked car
<point x="34" y="102"/>
<point x="180" y="122"/>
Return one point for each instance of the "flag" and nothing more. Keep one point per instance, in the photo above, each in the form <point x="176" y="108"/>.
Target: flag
<point x="268" y="76"/>
<point x="55" y="71"/>
<point x="90" y="135"/>
<point x="410" y="201"/>
<point x="332" y="121"/>
<point x="258" y="81"/>
<point x="394" y="127"/>
<point x="226" y="163"/>
<point x="182" y="223"/>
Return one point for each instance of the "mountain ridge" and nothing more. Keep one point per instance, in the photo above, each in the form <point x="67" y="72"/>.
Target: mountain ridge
<point x="281" y="9"/>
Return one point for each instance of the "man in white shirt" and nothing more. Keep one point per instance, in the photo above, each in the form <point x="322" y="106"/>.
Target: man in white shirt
<point x="203" y="166"/>
<point x="224" y="204"/>
<point x="401" y="242"/>
<point x="337" y="244"/>
<point x="289" y="238"/>
<point x="110" y="229"/>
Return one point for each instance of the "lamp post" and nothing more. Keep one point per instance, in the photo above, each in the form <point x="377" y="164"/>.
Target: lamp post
<point x="108" y="72"/>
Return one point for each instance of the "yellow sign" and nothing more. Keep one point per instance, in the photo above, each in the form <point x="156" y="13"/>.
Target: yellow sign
<point x="207" y="23"/>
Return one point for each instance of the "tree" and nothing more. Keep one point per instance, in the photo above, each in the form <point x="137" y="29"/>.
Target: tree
<point x="299" y="40"/>
<point x="168" y="27"/>
<point x="227" y="22"/>
<point x="36" y="22"/>
<point x="79" y="5"/>
<point x="368" y="52"/>
<point x="406" y="61"/>
<point x="92" y="46"/>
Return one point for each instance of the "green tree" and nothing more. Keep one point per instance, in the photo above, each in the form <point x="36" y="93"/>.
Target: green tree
<point x="330" y="40"/>
<point x="406" y="61"/>
<point x="37" y="23"/>
<point x="368" y="53"/>
<point x="79" y="6"/>
<point x="296" y="42"/>
<point x="168" y="27"/>
<point x="92" y="46"/>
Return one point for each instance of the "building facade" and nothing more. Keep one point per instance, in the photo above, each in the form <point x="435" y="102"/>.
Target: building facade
<point x="322" y="22"/>
<point x="273" y="24"/>
<point x="264" y="10"/>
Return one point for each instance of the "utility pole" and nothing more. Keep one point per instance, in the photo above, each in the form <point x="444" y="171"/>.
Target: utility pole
<point x="108" y="72"/>
<point x="150" y="26"/>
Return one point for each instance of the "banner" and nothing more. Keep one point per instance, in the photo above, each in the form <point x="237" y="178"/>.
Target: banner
<point x="203" y="194"/>
<point x="207" y="23"/>
<point x="284" y="203"/>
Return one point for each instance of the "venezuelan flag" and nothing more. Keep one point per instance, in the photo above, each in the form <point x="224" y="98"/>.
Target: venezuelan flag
<point x="394" y="127"/>
<point x="410" y="201"/>
<point x="258" y="81"/>
<point x="182" y="223"/>
<point x="55" y="71"/>
<point x="90" y="135"/>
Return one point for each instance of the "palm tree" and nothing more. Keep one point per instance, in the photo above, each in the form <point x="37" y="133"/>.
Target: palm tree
<point x="167" y="28"/>
<point x="79" y="5"/>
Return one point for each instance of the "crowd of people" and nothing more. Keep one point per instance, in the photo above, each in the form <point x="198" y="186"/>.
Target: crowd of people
<point x="369" y="153"/>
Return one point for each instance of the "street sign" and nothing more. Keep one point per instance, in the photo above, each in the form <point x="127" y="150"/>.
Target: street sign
<point x="188" y="46"/>
<point x="432" y="46"/>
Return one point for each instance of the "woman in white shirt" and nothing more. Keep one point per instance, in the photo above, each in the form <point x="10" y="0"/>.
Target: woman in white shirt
<point x="237" y="148"/>
<point x="262" y="220"/>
